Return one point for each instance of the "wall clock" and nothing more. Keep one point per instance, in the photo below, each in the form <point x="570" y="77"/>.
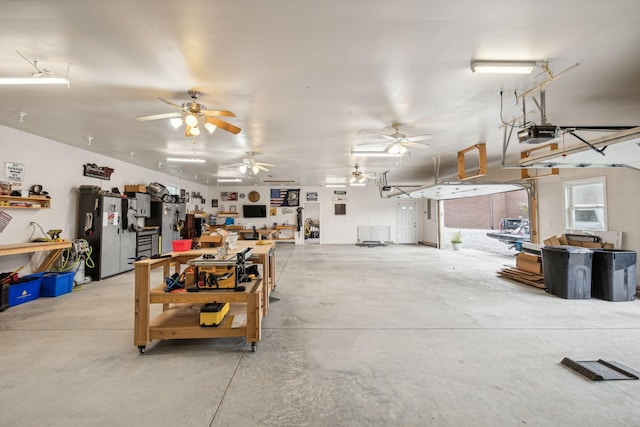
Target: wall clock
<point x="254" y="196"/>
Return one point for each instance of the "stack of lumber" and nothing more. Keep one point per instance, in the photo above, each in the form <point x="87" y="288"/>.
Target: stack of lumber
<point x="522" y="276"/>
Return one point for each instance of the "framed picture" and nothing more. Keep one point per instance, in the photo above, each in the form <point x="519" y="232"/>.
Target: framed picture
<point x="214" y="203"/>
<point x="232" y="208"/>
<point x="340" y="209"/>
<point x="228" y="196"/>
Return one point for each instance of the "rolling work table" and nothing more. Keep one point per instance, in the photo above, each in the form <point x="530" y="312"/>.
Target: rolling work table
<point x="55" y="250"/>
<point x="179" y="319"/>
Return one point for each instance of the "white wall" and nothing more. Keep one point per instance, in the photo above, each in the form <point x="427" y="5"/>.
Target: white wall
<point x="364" y="207"/>
<point x="623" y="203"/>
<point x="59" y="169"/>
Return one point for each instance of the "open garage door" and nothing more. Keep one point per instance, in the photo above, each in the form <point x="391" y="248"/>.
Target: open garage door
<point x="492" y="206"/>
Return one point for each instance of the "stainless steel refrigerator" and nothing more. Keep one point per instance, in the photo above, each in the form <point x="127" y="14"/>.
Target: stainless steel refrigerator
<point x="107" y="223"/>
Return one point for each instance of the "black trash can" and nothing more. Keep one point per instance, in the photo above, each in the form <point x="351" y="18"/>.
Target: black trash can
<point x="613" y="275"/>
<point x="567" y="271"/>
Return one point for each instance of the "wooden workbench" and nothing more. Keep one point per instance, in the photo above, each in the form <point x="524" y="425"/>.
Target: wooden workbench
<point x="291" y="229"/>
<point x="179" y="318"/>
<point x="263" y="233"/>
<point x="55" y="249"/>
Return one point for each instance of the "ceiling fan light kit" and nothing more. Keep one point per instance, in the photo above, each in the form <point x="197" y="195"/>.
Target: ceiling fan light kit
<point x="503" y="67"/>
<point x="191" y="120"/>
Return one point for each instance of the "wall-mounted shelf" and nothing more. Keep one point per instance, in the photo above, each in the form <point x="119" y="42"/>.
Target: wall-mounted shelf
<point x="228" y="214"/>
<point x="33" y="202"/>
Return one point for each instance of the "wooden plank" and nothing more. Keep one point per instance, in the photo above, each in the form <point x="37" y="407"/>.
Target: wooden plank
<point x="25" y="248"/>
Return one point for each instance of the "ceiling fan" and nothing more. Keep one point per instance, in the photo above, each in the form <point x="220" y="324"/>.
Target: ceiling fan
<point x="359" y="178"/>
<point x="400" y="143"/>
<point x="192" y="114"/>
<point x="250" y="165"/>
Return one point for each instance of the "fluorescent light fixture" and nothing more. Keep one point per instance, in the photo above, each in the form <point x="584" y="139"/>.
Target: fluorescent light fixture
<point x="374" y="154"/>
<point x="358" y="184"/>
<point x="185" y="160"/>
<point x="335" y="185"/>
<point x="210" y="127"/>
<point x="279" y="181"/>
<point x="176" y="122"/>
<point x="33" y="81"/>
<point x="503" y="67"/>
<point x="229" y="180"/>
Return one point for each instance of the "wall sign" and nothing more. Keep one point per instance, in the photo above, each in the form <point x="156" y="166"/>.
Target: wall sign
<point x="312" y="196"/>
<point x="14" y="171"/>
<point x="94" y="171"/>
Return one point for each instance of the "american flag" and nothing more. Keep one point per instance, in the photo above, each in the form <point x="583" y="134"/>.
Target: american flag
<point x="277" y="196"/>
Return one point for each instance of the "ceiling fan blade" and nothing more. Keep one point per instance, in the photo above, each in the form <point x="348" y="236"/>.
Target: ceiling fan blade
<point x="415" y="144"/>
<point x="419" y="138"/>
<point x="264" y="164"/>
<point x="389" y="137"/>
<point x="224" y="125"/>
<point x="235" y="165"/>
<point x="217" y="113"/>
<point x="179" y="107"/>
<point x="262" y="168"/>
<point x="158" y="117"/>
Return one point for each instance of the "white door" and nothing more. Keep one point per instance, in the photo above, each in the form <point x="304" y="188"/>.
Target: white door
<point x="431" y="222"/>
<point x="406" y="226"/>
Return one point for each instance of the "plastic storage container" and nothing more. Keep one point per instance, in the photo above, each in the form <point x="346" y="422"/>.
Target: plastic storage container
<point x="25" y="290"/>
<point x="613" y="275"/>
<point x="55" y="284"/>
<point x="181" y="245"/>
<point x="567" y="271"/>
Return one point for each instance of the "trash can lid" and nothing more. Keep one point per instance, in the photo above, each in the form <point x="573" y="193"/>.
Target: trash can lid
<point x="567" y="248"/>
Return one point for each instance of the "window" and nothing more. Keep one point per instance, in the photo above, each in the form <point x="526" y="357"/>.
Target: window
<point x="586" y="204"/>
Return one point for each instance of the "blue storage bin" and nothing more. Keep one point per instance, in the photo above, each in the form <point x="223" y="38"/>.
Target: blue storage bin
<point x="27" y="289"/>
<point x="55" y="284"/>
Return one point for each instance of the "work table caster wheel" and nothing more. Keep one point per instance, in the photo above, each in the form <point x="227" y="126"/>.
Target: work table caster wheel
<point x="142" y="348"/>
<point x="253" y="347"/>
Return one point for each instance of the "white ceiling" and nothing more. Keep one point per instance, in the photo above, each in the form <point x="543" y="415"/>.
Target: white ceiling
<point x="310" y="80"/>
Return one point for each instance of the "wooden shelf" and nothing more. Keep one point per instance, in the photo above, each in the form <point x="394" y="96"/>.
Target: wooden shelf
<point x="33" y="202"/>
<point x="228" y="214"/>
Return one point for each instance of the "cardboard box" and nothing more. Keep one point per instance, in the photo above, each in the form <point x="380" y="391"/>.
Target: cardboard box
<point x="135" y="188"/>
<point x="529" y="262"/>
<point x="211" y="241"/>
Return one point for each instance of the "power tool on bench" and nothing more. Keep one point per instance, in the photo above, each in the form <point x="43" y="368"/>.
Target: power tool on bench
<point x="212" y="273"/>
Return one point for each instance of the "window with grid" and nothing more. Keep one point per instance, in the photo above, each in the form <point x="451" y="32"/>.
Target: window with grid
<point x="586" y="204"/>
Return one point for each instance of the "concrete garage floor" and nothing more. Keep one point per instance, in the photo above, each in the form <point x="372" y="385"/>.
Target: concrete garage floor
<point x="385" y="336"/>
